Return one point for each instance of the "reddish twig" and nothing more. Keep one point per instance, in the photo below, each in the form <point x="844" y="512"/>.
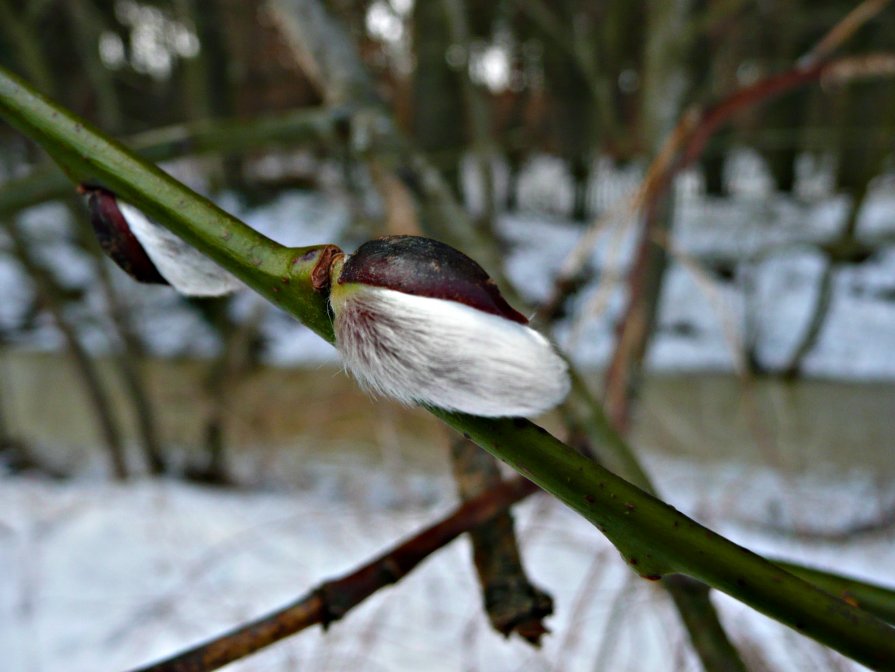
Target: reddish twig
<point x="696" y="127"/>
<point x="843" y="30"/>
<point x="840" y="71"/>
<point x="333" y="599"/>
<point x="762" y="91"/>
<point x="687" y="142"/>
<point x="635" y="328"/>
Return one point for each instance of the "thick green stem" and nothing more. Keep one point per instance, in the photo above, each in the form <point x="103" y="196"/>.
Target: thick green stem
<point x="875" y="599"/>
<point x="656" y="539"/>
<point x="653" y="537"/>
<point x="691" y="598"/>
<point x="280" y="274"/>
<point x="189" y="139"/>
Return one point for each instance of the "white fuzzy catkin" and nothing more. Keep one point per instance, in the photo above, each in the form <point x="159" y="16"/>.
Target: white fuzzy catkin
<point x="446" y="354"/>
<point x="188" y="270"/>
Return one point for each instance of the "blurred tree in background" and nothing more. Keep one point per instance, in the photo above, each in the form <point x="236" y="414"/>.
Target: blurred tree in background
<point x="578" y="80"/>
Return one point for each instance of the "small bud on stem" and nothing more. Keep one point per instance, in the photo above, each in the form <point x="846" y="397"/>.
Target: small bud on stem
<point x="115" y="236"/>
<point x="148" y="252"/>
<point x="414" y="319"/>
<point x="421" y="322"/>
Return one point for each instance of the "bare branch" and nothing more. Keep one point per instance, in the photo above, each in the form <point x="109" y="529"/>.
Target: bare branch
<point x="843" y="30"/>
<point x="333" y="599"/>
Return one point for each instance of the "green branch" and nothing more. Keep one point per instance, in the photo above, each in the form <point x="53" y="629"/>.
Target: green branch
<point x="313" y="36"/>
<point x="653" y="537"/>
<point x="280" y="274"/>
<point x="189" y="139"/>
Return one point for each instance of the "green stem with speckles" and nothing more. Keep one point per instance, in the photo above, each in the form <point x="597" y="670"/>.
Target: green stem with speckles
<point x="207" y="136"/>
<point x="653" y="537"/>
<point x="280" y="274"/>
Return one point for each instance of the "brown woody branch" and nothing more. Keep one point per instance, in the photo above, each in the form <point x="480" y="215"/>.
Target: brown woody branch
<point x="688" y="140"/>
<point x="513" y="603"/>
<point x="333" y="599"/>
<point x="843" y="30"/>
<point x="686" y="144"/>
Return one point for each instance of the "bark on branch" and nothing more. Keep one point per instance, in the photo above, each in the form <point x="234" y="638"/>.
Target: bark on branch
<point x="333" y="599"/>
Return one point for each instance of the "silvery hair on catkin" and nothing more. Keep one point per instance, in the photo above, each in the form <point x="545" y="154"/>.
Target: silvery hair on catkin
<point x="419" y="349"/>
<point x="189" y="271"/>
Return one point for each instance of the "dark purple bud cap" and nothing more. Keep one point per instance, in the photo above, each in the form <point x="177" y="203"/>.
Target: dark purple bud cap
<point x="426" y="267"/>
<point x="116" y="239"/>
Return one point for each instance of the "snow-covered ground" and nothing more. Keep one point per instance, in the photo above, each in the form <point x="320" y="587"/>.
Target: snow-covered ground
<point x="97" y="576"/>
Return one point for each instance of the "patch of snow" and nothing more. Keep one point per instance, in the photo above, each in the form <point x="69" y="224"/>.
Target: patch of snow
<point x="101" y="576"/>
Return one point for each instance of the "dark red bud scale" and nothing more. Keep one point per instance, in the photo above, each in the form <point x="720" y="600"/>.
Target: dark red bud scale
<point x="426" y="267"/>
<point x="420" y="322"/>
<point x="116" y="238"/>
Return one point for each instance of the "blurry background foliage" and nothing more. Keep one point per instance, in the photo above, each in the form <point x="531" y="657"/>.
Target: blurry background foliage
<point x="572" y="79"/>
